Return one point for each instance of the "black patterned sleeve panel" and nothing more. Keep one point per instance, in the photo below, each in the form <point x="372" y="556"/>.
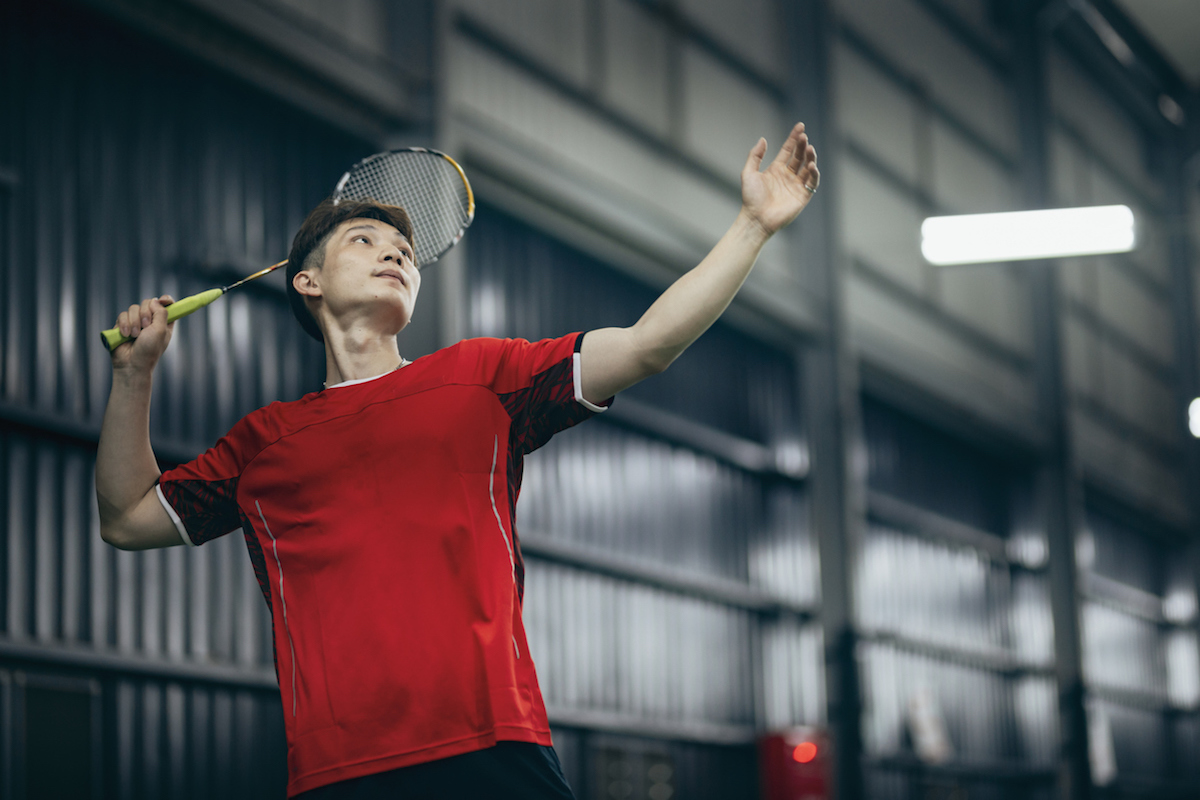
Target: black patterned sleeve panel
<point x="206" y="509"/>
<point x="201" y="495"/>
<point x="549" y="404"/>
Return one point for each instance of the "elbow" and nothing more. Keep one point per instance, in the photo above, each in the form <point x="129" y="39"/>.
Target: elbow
<point x="652" y="356"/>
<point x="112" y="534"/>
<point x="656" y="363"/>
<point x="112" y="528"/>
<point x="651" y="360"/>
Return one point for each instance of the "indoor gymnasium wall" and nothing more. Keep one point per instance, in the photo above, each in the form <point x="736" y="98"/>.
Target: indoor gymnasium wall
<point x="928" y="125"/>
<point x="1120" y="338"/>
<point x="1137" y="586"/>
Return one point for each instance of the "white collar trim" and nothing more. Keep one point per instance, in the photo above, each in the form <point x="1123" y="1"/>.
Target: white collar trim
<point x="403" y="363"/>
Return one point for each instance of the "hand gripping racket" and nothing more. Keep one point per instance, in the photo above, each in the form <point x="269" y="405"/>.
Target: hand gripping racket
<point x="428" y="184"/>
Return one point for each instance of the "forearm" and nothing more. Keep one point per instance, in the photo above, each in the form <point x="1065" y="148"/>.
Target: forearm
<point x="613" y="359"/>
<point x="126" y="469"/>
<point x="694" y="302"/>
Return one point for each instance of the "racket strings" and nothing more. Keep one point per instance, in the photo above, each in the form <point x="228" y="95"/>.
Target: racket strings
<point x="427" y="186"/>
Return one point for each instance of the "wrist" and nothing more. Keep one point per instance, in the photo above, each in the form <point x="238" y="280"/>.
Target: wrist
<point x="751" y="227"/>
<point x="130" y="376"/>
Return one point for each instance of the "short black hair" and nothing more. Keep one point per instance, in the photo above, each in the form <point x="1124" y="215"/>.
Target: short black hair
<point x="314" y="234"/>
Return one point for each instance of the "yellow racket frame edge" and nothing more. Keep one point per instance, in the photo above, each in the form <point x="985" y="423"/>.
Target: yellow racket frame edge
<point x="466" y="183"/>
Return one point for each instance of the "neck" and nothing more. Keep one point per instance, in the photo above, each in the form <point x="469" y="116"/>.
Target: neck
<point x="353" y="355"/>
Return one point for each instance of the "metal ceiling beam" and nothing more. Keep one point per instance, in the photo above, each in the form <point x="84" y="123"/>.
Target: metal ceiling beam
<point x="1155" y="65"/>
<point x="363" y="94"/>
<point x="1141" y="80"/>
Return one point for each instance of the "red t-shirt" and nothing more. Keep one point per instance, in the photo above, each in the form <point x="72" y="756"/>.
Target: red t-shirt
<point x="379" y="517"/>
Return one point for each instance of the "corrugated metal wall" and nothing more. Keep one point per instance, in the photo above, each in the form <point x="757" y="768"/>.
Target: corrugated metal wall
<point x="645" y="654"/>
<point x="955" y="616"/>
<point x="1140" y="650"/>
<point x="1119" y="330"/>
<point x="136" y="173"/>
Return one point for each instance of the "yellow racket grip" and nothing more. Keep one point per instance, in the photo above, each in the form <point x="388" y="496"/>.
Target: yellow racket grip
<point x="112" y="337"/>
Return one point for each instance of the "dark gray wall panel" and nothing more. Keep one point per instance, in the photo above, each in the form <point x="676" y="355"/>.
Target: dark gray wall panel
<point x="919" y="463"/>
<point x="139" y="174"/>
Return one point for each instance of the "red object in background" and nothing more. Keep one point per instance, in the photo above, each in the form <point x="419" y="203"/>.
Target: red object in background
<point x="794" y="764"/>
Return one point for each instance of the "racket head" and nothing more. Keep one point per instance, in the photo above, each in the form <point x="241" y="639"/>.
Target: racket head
<point x="426" y="183"/>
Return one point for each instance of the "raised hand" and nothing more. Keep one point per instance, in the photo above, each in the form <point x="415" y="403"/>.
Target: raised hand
<point x="775" y="196"/>
<point x="147" y="323"/>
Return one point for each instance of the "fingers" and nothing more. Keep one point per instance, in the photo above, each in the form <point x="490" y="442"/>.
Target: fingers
<point x="806" y="168"/>
<point x="148" y="312"/>
<point x="140" y="316"/>
<point x="802" y="154"/>
<point x="792" y="145"/>
<point x="159" y="309"/>
<point x="812" y="178"/>
<point x="754" y="161"/>
<point x="129" y="322"/>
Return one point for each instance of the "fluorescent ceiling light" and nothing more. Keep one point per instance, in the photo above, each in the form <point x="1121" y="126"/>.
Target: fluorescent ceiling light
<point x="1024" y="235"/>
<point x="1194" y="417"/>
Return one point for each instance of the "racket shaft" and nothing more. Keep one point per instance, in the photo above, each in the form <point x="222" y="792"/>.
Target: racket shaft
<point x="112" y="337"/>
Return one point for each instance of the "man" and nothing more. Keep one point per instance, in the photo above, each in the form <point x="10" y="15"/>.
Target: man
<point x="379" y="512"/>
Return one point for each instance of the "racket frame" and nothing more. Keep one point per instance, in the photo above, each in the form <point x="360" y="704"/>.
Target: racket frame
<point x="341" y="186"/>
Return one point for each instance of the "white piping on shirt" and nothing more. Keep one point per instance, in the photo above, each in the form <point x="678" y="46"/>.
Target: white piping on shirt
<point x="503" y="535"/>
<point x="286" y="629"/>
<point x="577" y="364"/>
<point x="183" y="534"/>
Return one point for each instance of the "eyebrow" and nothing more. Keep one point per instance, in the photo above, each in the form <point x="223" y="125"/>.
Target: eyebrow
<point x="377" y="229"/>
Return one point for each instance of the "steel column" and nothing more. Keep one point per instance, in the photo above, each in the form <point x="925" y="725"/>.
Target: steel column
<point x="832" y="391"/>
<point x="1059" y="482"/>
<point x="1176" y="178"/>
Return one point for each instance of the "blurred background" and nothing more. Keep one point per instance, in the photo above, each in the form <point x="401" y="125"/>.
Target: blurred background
<point x="930" y="531"/>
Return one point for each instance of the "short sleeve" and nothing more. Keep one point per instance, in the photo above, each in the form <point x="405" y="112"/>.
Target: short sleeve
<point x="201" y="495"/>
<point x="540" y="385"/>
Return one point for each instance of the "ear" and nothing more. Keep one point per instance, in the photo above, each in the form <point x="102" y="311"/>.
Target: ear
<point x="305" y="283"/>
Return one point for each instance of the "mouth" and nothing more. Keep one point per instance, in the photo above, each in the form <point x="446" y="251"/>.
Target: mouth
<point x="391" y="273"/>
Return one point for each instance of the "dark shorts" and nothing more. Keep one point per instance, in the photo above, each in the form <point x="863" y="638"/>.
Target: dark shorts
<point x="508" y="771"/>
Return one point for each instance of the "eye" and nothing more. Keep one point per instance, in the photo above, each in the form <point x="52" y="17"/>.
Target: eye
<point x="361" y="236"/>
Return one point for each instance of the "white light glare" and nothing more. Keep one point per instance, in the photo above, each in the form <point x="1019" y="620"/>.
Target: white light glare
<point x="1194" y="417"/>
<point x="1023" y="235"/>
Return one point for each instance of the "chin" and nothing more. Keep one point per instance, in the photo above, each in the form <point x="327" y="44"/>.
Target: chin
<point x="400" y="324"/>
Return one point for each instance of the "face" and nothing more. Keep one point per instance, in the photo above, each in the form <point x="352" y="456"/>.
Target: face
<point x="368" y="279"/>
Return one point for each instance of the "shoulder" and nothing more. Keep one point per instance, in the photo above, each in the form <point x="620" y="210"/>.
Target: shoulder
<point x="484" y="346"/>
<point x="489" y="359"/>
<point x="261" y="427"/>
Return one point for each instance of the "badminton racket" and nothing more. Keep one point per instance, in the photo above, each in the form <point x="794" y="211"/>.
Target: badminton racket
<point x="428" y="184"/>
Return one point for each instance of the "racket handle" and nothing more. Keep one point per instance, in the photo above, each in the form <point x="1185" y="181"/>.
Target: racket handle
<point x="112" y="337"/>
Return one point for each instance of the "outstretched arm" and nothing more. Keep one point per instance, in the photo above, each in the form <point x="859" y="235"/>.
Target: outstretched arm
<point x="616" y="358"/>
